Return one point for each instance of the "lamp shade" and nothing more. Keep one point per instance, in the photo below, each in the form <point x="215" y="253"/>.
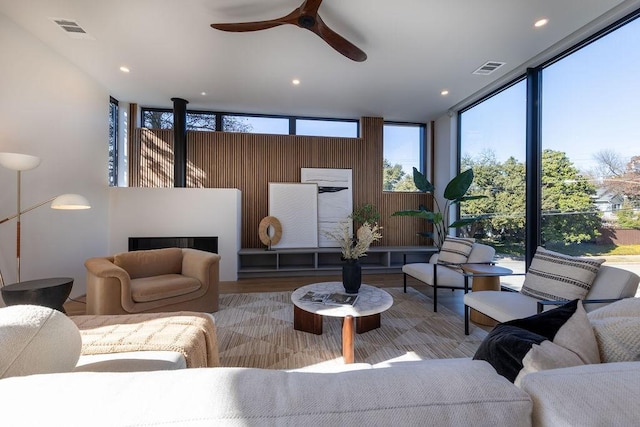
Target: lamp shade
<point x="70" y="201"/>
<point x="19" y="162"/>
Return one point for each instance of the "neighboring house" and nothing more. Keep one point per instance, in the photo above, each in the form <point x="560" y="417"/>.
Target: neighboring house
<point x="608" y="202"/>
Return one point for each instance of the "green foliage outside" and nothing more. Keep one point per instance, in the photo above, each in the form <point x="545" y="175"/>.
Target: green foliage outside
<point x="569" y="214"/>
<point x="627" y="218"/>
<point x="395" y="179"/>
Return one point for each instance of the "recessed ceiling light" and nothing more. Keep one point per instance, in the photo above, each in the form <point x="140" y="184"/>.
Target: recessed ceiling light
<point x="295" y="82"/>
<point x="124" y="69"/>
<point x="541" y="22"/>
<point x="203" y="93"/>
<point x="444" y="92"/>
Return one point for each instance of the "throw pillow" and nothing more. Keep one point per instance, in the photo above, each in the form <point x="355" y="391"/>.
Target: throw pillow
<point x="37" y="340"/>
<point x="616" y="329"/>
<point x="555" y="276"/>
<point x="521" y="346"/>
<point x="618" y="338"/>
<point x="544" y="356"/>
<point x="626" y="307"/>
<point x="455" y="250"/>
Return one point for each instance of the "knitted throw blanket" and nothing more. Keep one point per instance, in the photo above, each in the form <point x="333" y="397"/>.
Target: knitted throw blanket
<point x="189" y="333"/>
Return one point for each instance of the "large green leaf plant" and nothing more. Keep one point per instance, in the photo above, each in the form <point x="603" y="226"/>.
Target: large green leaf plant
<point x="454" y="193"/>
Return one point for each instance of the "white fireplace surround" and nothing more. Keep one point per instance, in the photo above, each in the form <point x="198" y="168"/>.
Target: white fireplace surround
<point x="158" y="212"/>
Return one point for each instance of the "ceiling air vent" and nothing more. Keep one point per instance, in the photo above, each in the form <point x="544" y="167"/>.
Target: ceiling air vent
<point x="72" y="28"/>
<point x="488" y="68"/>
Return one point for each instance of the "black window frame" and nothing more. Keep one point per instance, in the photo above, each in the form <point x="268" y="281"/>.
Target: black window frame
<point x="219" y="118"/>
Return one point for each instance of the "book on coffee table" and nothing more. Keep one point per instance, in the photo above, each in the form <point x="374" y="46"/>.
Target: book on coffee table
<point x="334" y="298"/>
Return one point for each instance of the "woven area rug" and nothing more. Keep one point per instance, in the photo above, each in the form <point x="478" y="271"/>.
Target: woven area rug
<point x="256" y="330"/>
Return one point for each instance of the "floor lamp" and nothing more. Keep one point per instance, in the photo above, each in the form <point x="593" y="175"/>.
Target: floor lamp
<point x="25" y="162"/>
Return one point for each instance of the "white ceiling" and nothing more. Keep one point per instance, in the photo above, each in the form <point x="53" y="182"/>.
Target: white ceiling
<point x="415" y="48"/>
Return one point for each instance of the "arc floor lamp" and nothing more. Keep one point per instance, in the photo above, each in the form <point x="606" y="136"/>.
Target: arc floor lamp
<point x="24" y="162"/>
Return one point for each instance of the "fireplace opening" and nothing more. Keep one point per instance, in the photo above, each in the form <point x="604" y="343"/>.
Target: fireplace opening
<point x="204" y="243"/>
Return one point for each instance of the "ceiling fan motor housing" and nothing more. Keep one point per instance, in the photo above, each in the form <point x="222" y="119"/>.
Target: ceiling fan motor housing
<point x="307" y="21"/>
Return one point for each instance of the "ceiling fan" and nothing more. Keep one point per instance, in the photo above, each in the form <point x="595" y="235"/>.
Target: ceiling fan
<point x="306" y="16"/>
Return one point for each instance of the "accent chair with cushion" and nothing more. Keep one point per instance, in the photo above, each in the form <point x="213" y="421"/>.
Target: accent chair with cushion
<point x="553" y="279"/>
<point x="158" y="280"/>
<point x="442" y="270"/>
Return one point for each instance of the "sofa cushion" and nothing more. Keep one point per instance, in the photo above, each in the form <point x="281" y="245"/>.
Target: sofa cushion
<point x="612" y="282"/>
<point x="518" y="347"/>
<point x="502" y="305"/>
<point x="36" y="340"/>
<point x="555" y="276"/>
<point x="604" y="394"/>
<point x="164" y="286"/>
<point x="423" y="271"/>
<point x="627" y="307"/>
<point x="616" y="329"/>
<point x="481" y="254"/>
<point x="455" y="250"/>
<point x="131" y="361"/>
<point x="149" y="263"/>
<point x="456" y="393"/>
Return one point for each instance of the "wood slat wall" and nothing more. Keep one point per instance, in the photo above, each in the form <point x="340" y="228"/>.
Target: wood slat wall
<point x="250" y="161"/>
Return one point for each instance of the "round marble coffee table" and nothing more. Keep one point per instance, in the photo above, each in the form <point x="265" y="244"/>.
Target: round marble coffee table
<point x="307" y="316"/>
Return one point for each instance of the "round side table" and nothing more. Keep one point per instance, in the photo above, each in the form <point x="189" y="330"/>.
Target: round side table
<point x="486" y="277"/>
<point x="50" y="293"/>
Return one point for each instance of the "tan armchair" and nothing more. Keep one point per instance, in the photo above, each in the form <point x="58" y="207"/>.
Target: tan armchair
<point x="158" y="280"/>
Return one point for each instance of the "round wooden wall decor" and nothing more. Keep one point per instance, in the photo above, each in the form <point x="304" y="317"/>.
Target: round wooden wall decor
<point x="267" y="223"/>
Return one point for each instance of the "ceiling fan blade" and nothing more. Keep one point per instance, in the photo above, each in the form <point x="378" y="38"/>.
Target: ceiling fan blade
<point x="310" y="7"/>
<point x="306" y="16"/>
<point x="338" y="42"/>
<point x="248" y="26"/>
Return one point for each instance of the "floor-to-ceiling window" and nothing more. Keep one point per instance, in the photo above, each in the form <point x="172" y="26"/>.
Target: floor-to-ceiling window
<point x="587" y="151"/>
<point x="590" y="135"/>
<point x="492" y="143"/>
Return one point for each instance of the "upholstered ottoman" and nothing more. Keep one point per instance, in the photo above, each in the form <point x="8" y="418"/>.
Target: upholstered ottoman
<point x="168" y="339"/>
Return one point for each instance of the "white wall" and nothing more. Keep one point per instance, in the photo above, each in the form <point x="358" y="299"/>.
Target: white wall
<point x="446" y="155"/>
<point x="164" y="212"/>
<point x="51" y="109"/>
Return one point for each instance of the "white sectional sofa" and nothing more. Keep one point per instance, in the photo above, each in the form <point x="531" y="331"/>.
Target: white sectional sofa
<point x="445" y="392"/>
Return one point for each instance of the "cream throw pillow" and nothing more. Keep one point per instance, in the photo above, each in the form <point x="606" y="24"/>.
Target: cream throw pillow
<point x="544" y="356"/>
<point x="617" y="330"/>
<point x="37" y="340"/>
<point x="455" y="250"/>
<point x="555" y="276"/>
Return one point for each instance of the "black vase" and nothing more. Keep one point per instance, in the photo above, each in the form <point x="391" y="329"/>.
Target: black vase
<point x="351" y="275"/>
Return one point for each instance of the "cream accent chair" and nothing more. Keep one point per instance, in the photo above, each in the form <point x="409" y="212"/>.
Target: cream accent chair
<point x="442" y="276"/>
<point x="610" y="284"/>
<point x="158" y="280"/>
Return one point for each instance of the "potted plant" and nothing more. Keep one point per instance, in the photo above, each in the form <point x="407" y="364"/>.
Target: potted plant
<point x="352" y="249"/>
<point x="454" y="193"/>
